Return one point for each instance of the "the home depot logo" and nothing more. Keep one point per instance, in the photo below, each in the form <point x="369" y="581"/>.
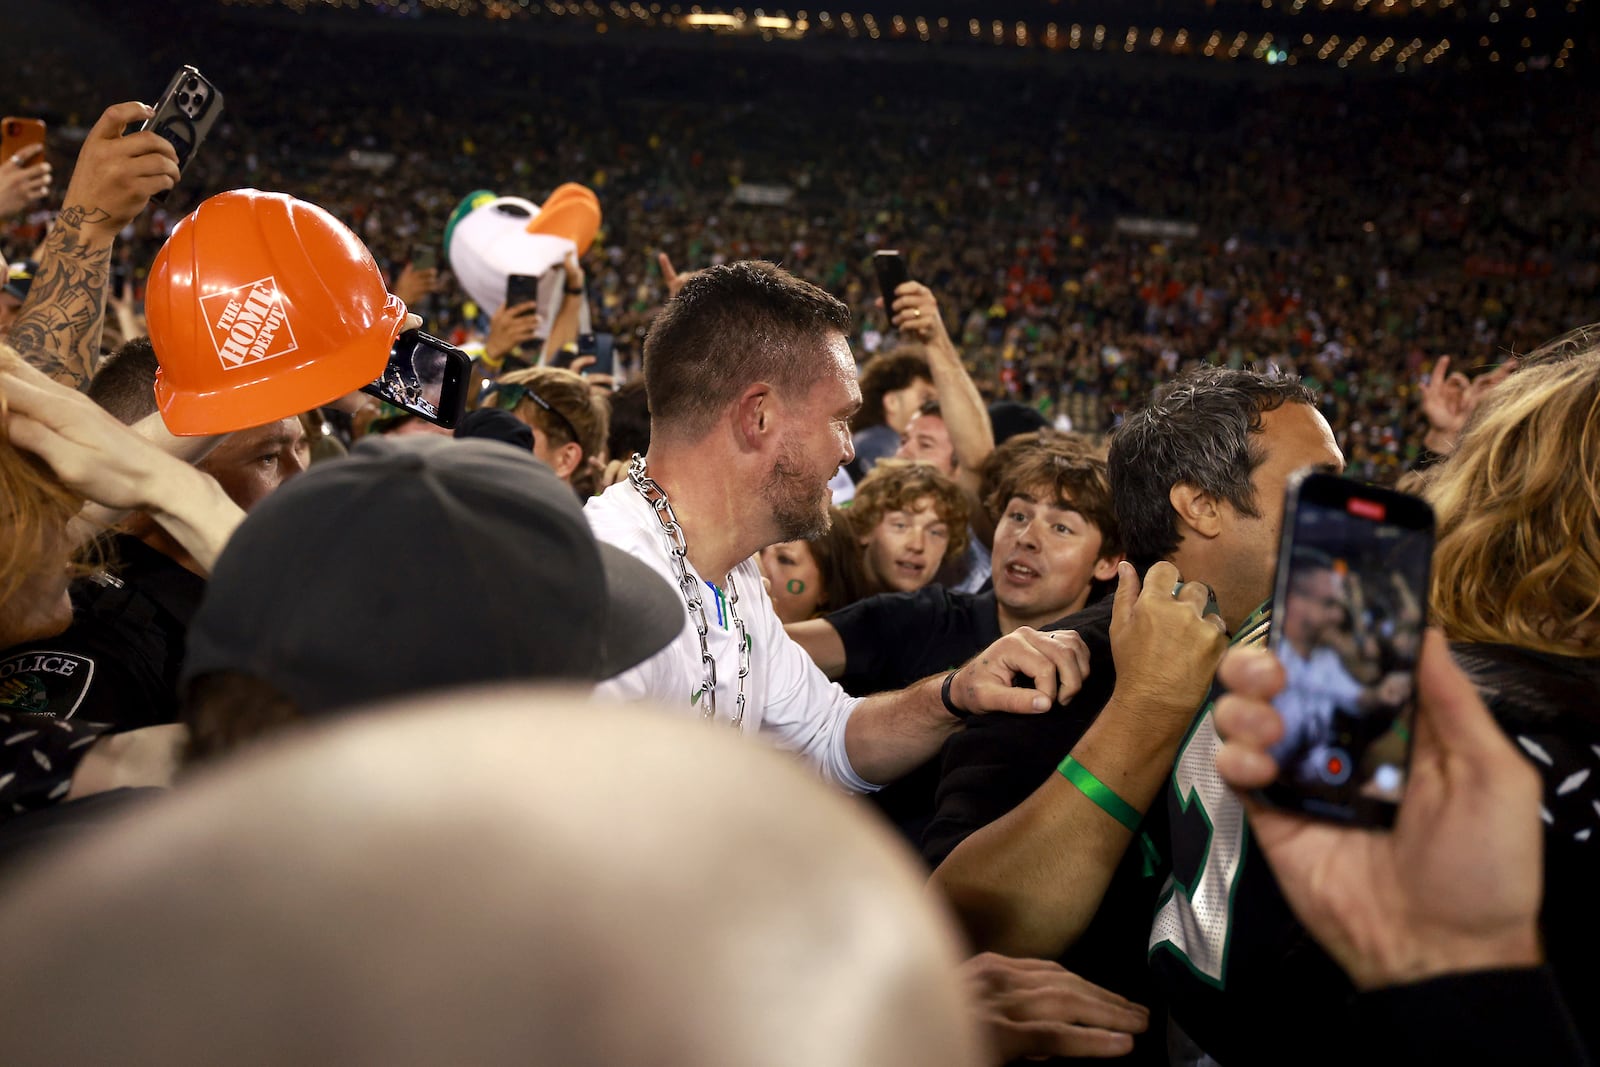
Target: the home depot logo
<point x="248" y="324"/>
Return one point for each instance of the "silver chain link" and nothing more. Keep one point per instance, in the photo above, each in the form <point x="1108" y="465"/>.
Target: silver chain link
<point x="689" y="586"/>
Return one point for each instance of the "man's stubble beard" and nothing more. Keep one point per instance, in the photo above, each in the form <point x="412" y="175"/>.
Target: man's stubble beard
<point x="798" y="509"/>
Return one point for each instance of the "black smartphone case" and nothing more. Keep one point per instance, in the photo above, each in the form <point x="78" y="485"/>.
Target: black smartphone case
<point x="185" y="114"/>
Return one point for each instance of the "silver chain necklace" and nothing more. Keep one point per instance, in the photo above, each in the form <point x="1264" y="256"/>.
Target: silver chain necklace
<point x="689" y="586"/>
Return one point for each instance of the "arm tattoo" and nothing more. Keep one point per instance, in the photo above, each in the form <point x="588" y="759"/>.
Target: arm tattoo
<point x="58" y="328"/>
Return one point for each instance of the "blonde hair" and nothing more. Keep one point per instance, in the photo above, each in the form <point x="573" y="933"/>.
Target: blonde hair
<point x="567" y="392"/>
<point x="35" y="509"/>
<point x="1518" y="505"/>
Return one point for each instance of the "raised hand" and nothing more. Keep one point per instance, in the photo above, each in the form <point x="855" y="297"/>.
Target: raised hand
<point x="413" y="286"/>
<point x="673" y="280"/>
<point x="129" y="321"/>
<point x="115" y="175"/>
<point x="1166" y="646"/>
<point x="1449" y="399"/>
<point x="916" y="314"/>
<point x="24" y="178"/>
<point x="512" y="326"/>
<point x="58" y="327"/>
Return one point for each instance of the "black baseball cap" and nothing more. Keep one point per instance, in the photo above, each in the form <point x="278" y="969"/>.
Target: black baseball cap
<point x="1008" y="419"/>
<point x="492" y="424"/>
<point x="420" y="563"/>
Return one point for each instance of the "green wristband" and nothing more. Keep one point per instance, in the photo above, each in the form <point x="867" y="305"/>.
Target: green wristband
<point x="1100" y="793"/>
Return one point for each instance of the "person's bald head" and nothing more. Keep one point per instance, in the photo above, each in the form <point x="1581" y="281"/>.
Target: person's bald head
<point x="504" y="877"/>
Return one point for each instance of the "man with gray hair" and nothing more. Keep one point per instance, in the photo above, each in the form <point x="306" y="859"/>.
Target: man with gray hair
<point x="1028" y="854"/>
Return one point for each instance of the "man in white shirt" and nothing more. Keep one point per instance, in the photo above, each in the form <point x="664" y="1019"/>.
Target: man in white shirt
<point x="751" y="386"/>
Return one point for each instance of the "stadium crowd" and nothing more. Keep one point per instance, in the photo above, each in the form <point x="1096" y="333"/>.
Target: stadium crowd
<point x="991" y="563"/>
<point x="1354" y="260"/>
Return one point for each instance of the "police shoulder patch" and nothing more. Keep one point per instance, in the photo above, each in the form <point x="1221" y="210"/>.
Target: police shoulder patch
<point x="41" y="682"/>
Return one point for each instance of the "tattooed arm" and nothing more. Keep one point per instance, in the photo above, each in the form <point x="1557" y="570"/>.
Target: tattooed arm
<point x="58" y="327"/>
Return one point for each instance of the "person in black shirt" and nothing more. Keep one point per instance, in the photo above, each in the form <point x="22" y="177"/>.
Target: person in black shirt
<point x="1056" y="548"/>
<point x="78" y="452"/>
<point x="118" y="662"/>
<point x="1056" y="545"/>
<point x="1197" y="479"/>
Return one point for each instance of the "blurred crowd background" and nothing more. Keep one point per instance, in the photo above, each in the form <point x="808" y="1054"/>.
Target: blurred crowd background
<point x="1089" y="228"/>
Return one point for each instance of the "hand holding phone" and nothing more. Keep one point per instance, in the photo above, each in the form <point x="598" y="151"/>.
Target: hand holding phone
<point x="17" y="135"/>
<point x="117" y="175"/>
<point x="187" y="110"/>
<point x="600" y="348"/>
<point x="24" y="173"/>
<point x="1464" y="853"/>
<point x="425" y="376"/>
<point x="1347" y="622"/>
<point x="522" y="289"/>
<point x="890" y="266"/>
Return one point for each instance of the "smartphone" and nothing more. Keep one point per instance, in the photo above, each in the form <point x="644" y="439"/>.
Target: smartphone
<point x="17" y="135"/>
<point x="184" y="115"/>
<point x="423" y="257"/>
<point x="602" y="346"/>
<point x="1347" y="619"/>
<point x="522" y="289"/>
<point x="427" y="377"/>
<point x="890" y="266"/>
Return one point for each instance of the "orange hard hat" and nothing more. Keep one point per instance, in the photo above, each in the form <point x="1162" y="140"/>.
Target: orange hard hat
<point x="261" y="306"/>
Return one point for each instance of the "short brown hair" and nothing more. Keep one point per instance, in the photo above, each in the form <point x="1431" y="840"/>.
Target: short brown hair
<point x="729" y="327"/>
<point x="884" y="374"/>
<point x="1518" y="505"/>
<point x="125" y="384"/>
<point x="896" y="485"/>
<point x="1066" y="468"/>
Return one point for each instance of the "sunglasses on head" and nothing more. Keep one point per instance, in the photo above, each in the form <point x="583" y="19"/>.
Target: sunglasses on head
<point x="507" y="397"/>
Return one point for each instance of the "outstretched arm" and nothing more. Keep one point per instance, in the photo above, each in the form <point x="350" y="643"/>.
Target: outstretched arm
<point x="891" y="734"/>
<point x="58" y="327"/>
<point x="916" y="313"/>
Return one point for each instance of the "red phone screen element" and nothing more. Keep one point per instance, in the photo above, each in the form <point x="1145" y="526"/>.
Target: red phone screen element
<point x="1367" y="509"/>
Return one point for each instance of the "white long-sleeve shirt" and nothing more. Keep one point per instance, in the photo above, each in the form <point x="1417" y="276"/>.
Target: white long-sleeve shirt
<point x="787" y="697"/>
